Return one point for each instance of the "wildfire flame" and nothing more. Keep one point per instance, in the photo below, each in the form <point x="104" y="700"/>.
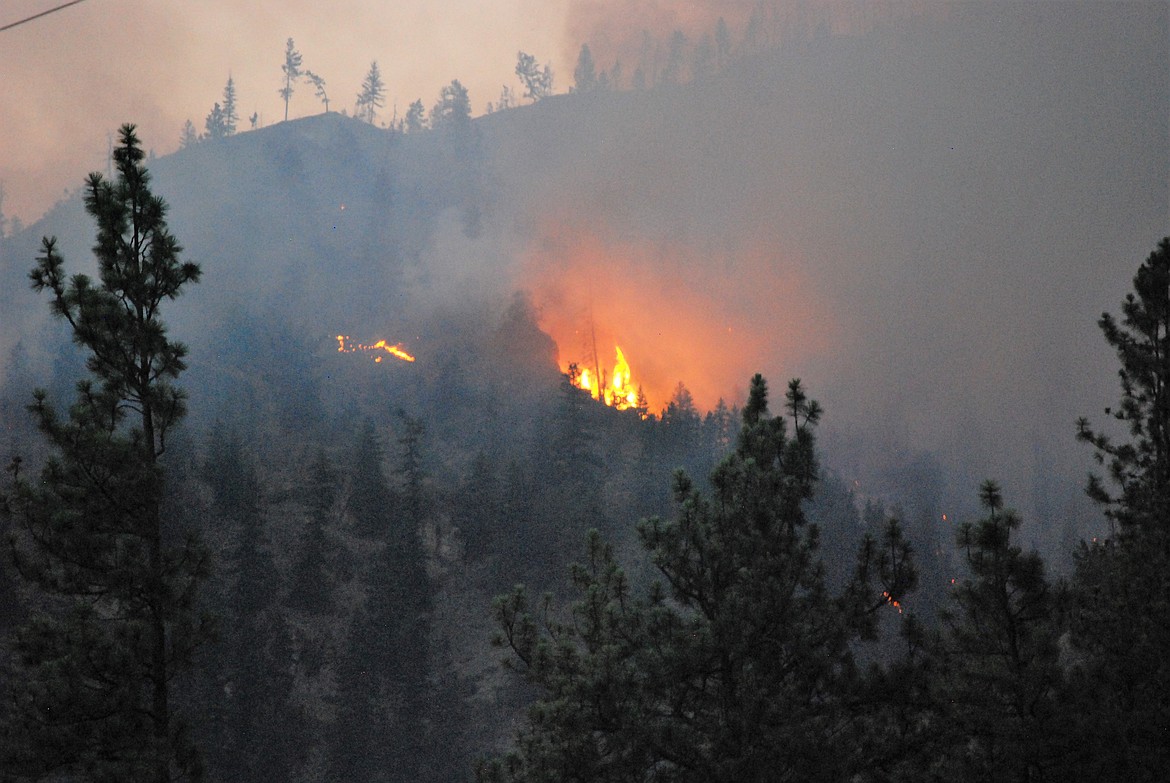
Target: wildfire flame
<point x="346" y="345"/>
<point x="620" y="391"/>
<point x="894" y="602"/>
<point x="702" y="328"/>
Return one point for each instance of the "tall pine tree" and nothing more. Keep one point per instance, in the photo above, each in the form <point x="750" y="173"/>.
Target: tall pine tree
<point x="95" y="666"/>
<point x="1001" y="650"/>
<point x="382" y="686"/>
<point x="292" y="71"/>
<point x="255" y="730"/>
<point x="372" y="95"/>
<point x="1121" y="616"/>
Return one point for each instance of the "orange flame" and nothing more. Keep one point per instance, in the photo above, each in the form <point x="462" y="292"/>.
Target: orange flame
<point x="344" y="345"/>
<point x="894" y="602"/>
<point x="701" y="327"/>
<point x="621" y="392"/>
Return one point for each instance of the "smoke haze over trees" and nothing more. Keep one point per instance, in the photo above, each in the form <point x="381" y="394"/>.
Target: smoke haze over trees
<point x="920" y="213"/>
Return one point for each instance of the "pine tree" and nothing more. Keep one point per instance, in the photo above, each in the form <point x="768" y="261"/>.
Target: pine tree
<point x="292" y="72"/>
<point x="319" y="84"/>
<point x="1003" y="675"/>
<point x="416" y="117"/>
<point x="736" y="666"/>
<point x="255" y="730"/>
<point x="231" y="114"/>
<point x="720" y="427"/>
<point x="1121" y="617"/>
<point x="372" y="503"/>
<point x="507" y="98"/>
<point x="673" y="72"/>
<point x="722" y="43"/>
<point x="189" y="135"/>
<point x="702" y="63"/>
<point x="537" y="81"/>
<point x="680" y="428"/>
<point x="92" y="693"/>
<point x="313" y="573"/>
<point x="453" y="111"/>
<point x="1140" y="468"/>
<point x="216" y="123"/>
<point x="383" y="691"/>
<point x="614" y="81"/>
<point x="372" y="96"/>
<point x="585" y="73"/>
<point x="479" y="509"/>
<point x="565" y="489"/>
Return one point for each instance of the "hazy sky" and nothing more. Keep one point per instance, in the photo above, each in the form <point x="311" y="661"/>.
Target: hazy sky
<point x="72" y="77"/>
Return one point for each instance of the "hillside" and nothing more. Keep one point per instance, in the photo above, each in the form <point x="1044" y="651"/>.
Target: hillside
<point x="923" y="223"/>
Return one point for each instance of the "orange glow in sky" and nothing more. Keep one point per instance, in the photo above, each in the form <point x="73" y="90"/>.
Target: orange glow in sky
<point x="74" y="76"/>
<point x="693" y="327"/>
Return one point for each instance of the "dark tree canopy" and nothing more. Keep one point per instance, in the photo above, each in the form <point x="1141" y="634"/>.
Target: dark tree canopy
<point x="1121" y="607"/>
<point x="736" y="666"/>
<point x="1140" y="468"/>
<point x="416" y="117"/>
<point x="116" y="596"/>
<point x="1002" y="656"/>
<point x="585" y="72"/>
<point x="453" y="110"/>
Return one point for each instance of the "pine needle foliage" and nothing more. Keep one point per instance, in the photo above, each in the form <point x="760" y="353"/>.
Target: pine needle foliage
<point x="1002" y="655"/>
<point x="736" y="665"/>
<point x="1121" y="607"/>
<point x="114" y="586"/>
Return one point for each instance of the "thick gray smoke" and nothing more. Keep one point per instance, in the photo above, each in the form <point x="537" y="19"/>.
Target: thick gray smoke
<point x="953" y="200"/>
<point x="922" y="216"/>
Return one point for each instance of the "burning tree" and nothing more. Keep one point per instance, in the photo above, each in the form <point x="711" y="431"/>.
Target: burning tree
<point x="92" y="690"/>
<point x="737" y="665"/>
<point x="616" y="388"/>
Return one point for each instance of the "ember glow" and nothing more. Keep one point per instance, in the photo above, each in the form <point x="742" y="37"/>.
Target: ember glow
<point x="376" y="350"/>
<point x="616" y="389"/>
<point x="894" y="602"/>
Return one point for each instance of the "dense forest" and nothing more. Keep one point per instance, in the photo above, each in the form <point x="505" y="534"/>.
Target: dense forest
<point x="307" y="479"/>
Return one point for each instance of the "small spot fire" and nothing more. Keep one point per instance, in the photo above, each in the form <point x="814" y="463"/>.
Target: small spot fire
<point x="894" y="602"/>
<point x="376" y="350"/>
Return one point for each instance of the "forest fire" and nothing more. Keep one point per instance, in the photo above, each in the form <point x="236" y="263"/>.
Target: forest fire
<point x="681" y="313"/>
<point x="376" y="350"/>
<point x="894" y="602"/>
<point x="617" y="389"/>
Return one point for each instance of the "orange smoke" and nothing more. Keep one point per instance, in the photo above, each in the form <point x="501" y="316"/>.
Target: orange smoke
<point x="708" y="319"/>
